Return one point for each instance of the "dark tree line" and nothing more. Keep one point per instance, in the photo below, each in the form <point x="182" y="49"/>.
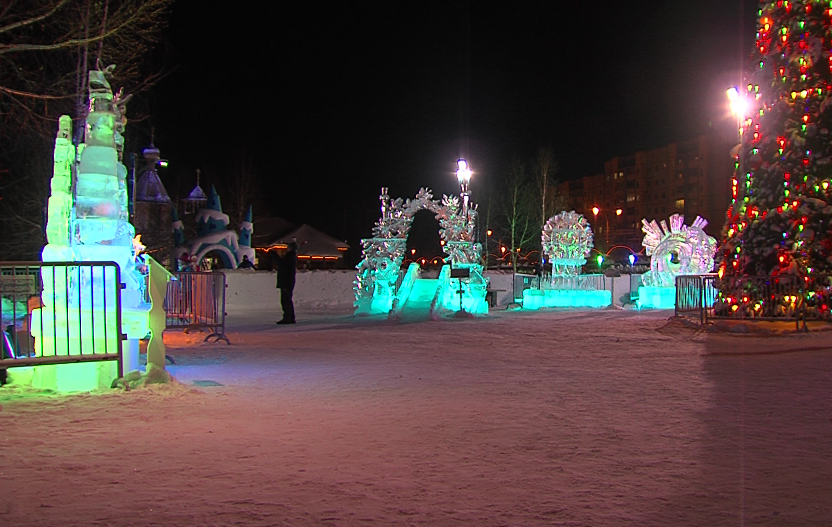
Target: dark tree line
<point x="46" y="49"/>
<point x="517" y="206"/>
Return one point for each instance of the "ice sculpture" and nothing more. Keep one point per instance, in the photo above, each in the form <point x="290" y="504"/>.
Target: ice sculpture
<point x="377" y="278"/>
<point x="88" y="221"/>
<point x="567" y="241"/>
<point x="675" y="250"/>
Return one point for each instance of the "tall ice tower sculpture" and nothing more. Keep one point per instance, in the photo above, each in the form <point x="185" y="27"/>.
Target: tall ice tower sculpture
<point x="88" y="221"/>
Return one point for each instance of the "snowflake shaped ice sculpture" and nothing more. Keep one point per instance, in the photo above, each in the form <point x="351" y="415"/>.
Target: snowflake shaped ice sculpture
<point x="676" y="250"/>
<point x="567" y="241"/>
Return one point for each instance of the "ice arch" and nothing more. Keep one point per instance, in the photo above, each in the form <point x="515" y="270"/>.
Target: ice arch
<point x="383" y="254"/>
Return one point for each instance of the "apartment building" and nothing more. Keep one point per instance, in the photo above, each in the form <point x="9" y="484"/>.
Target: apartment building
<point x="692" y="178"/>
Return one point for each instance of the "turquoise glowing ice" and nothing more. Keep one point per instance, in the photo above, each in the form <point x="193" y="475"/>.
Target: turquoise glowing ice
<point x="377" y="287"/>
<point x="675" y="250"/>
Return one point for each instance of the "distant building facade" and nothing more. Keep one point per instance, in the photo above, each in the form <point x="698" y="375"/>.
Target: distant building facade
<point x="688" y="177"/>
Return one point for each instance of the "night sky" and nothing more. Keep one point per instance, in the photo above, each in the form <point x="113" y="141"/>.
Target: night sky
<point x="332" y="100"/>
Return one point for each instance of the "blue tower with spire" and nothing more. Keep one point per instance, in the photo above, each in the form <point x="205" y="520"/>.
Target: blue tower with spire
<point x="246" y="229"/>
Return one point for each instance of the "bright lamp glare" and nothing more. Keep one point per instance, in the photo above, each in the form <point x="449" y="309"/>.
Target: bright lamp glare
<point x="737" y="103"/>
<point x="463" y="173"/>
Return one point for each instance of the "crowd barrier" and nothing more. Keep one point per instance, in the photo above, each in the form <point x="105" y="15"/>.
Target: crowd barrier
<point x="694" y="295"/>
<point x="60" y="312"/>
<point x="196" y="301"/>
<point x="754" y="298"/>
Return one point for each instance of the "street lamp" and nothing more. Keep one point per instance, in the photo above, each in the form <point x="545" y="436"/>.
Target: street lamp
<point x="463" y="175"/>
<point x="738" y="105"/>
<point x="595" y="212"/>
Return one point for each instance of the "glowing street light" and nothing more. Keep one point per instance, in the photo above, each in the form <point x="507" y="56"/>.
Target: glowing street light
<point x="463" y="175"/>
<point x="738" y="105"/>
<point x="737" y="102"/>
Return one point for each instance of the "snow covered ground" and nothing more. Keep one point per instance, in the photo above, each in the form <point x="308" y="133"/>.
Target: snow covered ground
<point x="557" y="417"/>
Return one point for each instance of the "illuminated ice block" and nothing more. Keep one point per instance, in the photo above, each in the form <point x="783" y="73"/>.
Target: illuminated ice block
<point x="657" y="297"/>
<point x="536" y="298"/>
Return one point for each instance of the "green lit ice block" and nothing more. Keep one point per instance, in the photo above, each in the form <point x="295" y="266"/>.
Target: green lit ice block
<point x="656" y="297"/>
<point x="536" y="299"/>
<point x="76" y="377"/>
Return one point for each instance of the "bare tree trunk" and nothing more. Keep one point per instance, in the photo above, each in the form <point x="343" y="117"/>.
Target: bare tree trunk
<point x="103" y="31"/>
<point x="81" y="84"/>
<point x="545" y="166"/>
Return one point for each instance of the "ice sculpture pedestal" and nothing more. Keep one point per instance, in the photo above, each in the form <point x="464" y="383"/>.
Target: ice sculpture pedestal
<point x="656" y="297"/>
<point x="536" y="299"/>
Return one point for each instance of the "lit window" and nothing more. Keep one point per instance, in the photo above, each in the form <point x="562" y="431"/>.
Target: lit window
<point x="680" y="204"/>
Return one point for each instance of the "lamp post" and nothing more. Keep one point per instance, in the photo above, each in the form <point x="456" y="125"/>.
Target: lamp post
<point x="738" y="106"/>
<point x="595" y="212"/>
<point x="463" y="175"/>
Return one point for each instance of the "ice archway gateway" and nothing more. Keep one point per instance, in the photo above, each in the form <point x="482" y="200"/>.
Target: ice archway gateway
<point x="460" y="285"/>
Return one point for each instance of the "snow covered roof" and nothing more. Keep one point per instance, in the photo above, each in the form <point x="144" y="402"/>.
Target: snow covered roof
<point x="197" y="194"/>
<point x="312" y="242"/>
<point x="268" y="229"/>
<point x="150" y="188"/>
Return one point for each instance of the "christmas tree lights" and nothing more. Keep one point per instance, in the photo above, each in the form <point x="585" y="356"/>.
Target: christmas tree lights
<point x="778" y="225"/>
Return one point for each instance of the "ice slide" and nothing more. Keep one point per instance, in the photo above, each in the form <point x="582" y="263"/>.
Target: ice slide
<point x="417" y="297"/>
<point x="421" y="298"/>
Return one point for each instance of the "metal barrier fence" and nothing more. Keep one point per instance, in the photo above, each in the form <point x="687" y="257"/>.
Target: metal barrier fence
<point x="781" y="297"/>
<point x="752" y="298"/>
<point x="196" y="300"/>
<point x="60" y="312"/>
<point x="694" y="295"/>
<point x="581" y="282"/>
<point x="635" y="283"/>
<point x="521" y="283"/>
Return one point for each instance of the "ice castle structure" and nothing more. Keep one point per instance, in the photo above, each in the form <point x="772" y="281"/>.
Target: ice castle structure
<point x="213" y="236"/>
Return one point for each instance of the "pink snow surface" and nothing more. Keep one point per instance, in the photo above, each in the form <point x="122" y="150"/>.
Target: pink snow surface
<point x="555" y="418"/>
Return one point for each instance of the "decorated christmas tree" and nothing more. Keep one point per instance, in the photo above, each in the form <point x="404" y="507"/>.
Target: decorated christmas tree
<point x="779" y="222"/>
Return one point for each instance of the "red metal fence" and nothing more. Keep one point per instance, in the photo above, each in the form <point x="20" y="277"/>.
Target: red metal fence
<point x="196" y="300"/>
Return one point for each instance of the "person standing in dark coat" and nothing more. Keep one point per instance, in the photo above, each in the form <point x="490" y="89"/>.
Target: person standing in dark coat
<point x="287" y="265"/>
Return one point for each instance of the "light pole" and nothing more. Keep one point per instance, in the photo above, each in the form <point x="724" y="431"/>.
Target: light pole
<point x="595" y="212"/>
<point x="739" y="107"/>
<point x="463" y="175"/>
